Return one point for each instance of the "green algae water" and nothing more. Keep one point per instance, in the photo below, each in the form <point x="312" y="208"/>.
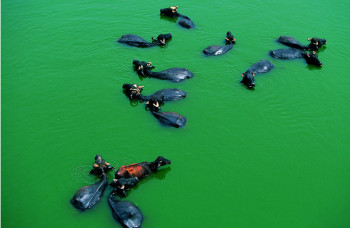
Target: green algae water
<point x="276" y="156"/>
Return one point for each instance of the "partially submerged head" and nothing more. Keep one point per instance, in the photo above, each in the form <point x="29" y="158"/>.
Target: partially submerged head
<point x="100" y="166"/>
<point x="230" y="39"/>
<point x="132" y="91"/>
<point x="161" y="161"/>
<point x="316" y="43"/>
<point x="170" y="12"/>
<point x="141" y="66"/>
<point x="123" y="184"/>
<point x="312" y="59"/>
<point x="162" y="39"/>
<point x="154" y="103"/>
<point x="248" y="79"/>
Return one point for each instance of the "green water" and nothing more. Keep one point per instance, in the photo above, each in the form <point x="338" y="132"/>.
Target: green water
<point x="277" y="156"/>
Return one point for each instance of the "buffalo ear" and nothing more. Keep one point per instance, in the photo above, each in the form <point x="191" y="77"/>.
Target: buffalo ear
<point x="253" y="74"/>
<point x="314" y="52"/>
<point x="308" y="55"/>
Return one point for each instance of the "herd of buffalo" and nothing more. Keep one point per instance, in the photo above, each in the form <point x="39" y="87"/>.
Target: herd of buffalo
<point x="145" y="69"/>
<point x="126" y="177"/>
<point x="127" y="213"/>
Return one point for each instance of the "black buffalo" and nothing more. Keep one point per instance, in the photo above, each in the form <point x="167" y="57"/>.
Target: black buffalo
<point x="170" y="119"/>
<point x="125" y="212"/>
<point x="183" y="20"/>
<point x="134" y="40"/>
<point x="134" y="92"/>
<point x="172" y="74"/>
<point x="88" y="196"/>
<point x="314" y="45"/>
<point x="263" y="66"/>
<point x="310" y="58"/>
<point x="219" y="49"/>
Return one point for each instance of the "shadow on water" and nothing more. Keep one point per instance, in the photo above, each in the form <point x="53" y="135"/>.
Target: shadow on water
<point x="322" y="49"/>
<point x="312" y="67"/>
<point x="159" y="175"/>
<point x="173" y="20"/>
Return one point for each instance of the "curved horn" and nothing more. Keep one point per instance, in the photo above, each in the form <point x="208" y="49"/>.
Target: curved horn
<point x="308" y="39"/>
<point x="242" y="75"/>
<point x="253" y="74"/>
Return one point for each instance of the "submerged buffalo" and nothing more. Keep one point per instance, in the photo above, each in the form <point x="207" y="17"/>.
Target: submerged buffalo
<point x="183" y="20"/>
<point x="219" y="50"/>
<point x="171" y="119"/>
<point x="133" y="92"/>
<point x="310" y="58"/>
<point x="154" y="103"/>
<point x="142" y="169"/>
<point x="100" y="166"/>
<point x="90" y="195"/>
<point x="172" y="74"/>
<point x="134" y="40"/>
<point x="125" y="212"/>
<point x="315" y="43"/>
<point x="122" y="185"/>
<point x="263" y="66"/>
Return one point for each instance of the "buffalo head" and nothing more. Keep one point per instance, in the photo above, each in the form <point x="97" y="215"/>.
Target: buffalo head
<point x="100" y="166"/>
<point x="312" y="59"/>
<point x="230" y="39"/>
<point x="141" y="66"/>
<point x="161" y="161"/>
<point x="248" y="79"/>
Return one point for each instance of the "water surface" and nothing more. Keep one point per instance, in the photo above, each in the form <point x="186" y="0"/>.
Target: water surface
<point x="275" y="156"/>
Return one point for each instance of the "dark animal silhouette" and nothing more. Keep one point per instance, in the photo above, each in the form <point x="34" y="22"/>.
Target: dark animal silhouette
<point x="125" y="212"/>
<point x="136" y="41"/>
<point x="310" y="58"/>
<point x="218" y="49"/>
<point x="263" y="66"/>
<point x="88" y="196"/>
<point x="122" y="185"/>
<point x="172" y="74"/>
<point x="315" y="43"/>
<point x="133" y="92"/>
<point x="183" y="20"/>
<point x="171" y="119"/>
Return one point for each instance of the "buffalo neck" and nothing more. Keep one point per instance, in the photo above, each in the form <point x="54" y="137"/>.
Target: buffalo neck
<point x="153" y="166"/>
<point x="151" y="73"/>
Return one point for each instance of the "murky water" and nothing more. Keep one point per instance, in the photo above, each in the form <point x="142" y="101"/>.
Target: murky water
<point x="275" y="156"/>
